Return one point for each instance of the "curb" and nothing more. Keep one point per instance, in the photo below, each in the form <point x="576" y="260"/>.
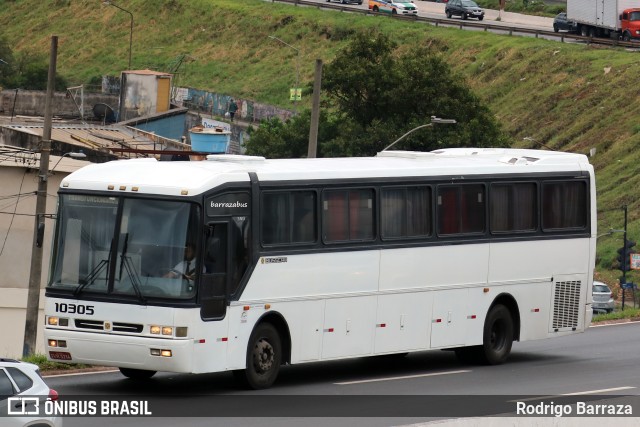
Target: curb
<point x="78" y="371"/>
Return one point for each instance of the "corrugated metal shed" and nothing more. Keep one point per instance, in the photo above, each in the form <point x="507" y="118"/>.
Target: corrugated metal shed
<point x="91" y="137"/>
<point x="21" y="158"/>
<point x="99" y="142"/>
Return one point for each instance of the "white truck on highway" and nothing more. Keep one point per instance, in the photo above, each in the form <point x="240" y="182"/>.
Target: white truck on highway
<point x="609" y="18"/>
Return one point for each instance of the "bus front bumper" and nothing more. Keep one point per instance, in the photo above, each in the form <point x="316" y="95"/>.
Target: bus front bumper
<point x="123" y="351"/>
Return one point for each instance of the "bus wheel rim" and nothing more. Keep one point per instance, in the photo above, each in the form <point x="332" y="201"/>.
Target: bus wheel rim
<point x="263" y="356"/>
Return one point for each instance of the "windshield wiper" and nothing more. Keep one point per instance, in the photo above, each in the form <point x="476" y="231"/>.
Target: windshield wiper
<point x="126" y="262"/>
<point x="91" y="277"/>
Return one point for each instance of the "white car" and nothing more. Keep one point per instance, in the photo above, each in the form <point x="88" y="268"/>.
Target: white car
<point x="23" y="394"/>
<point x="602" y="298"/>
<point x="394" y="7"/>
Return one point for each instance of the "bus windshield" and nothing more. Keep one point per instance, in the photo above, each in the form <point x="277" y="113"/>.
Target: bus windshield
<point x="135" y="248"/>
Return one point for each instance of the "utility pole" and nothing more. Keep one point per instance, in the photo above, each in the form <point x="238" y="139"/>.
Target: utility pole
<point x="315" y="111"/>
<point x="33" y="297"/>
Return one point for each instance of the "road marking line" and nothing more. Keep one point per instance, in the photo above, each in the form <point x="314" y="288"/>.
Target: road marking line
<point x="614" y="324"/>
<point x="403" y="378"/>
<point x="578" y="393"/>
<point x="73" y="374"/>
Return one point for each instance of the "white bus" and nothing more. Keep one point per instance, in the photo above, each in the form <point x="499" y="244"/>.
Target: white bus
<point x="302" y="260"/>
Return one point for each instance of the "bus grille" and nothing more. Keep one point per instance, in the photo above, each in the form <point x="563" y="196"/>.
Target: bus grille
<point x="89" y="324"/>
<point x="566" y="305"/>
<point x="98" y="325"/>
<point x="127" y="327"/>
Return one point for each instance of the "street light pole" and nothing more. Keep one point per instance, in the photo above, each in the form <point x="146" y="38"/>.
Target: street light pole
<point x="71" y="154"/>
<point x="434" y="120"/>
<point x="35" y="274"/>
<point x="295" y="95"/>
<point x="110" y="3"/>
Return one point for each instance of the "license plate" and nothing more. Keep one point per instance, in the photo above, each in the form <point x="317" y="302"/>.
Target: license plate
<point x="60" y="355"/>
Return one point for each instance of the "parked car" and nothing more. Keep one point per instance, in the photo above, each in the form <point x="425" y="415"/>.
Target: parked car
<point x="347" y="1"/>
<point x="561" y="23"/>
<point x="464" y="8"/>
<point x="22" y="389"/>
<point x="602" y="297"/>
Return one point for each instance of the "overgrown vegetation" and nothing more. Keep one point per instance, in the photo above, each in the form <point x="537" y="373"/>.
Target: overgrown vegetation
<point x="568" y="96"/>
<point x="627" y="313"/>
<point x="47" y="365"/>
<point x="25" y="71"/>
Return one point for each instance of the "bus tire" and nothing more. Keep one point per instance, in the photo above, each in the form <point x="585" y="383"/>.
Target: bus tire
<point x="137" y="374"/>
<point x="264" y="356"/>
<point x="497" y="336"/>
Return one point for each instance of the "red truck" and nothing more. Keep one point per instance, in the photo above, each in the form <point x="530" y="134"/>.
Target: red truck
<point x="610" y="19"/>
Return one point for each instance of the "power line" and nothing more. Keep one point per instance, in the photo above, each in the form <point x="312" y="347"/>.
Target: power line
<point x="6" y="236"/>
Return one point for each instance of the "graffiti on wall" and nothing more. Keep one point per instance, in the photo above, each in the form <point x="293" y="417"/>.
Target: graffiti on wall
<point x="111" y="85"/>
<point x="218" y="105"/>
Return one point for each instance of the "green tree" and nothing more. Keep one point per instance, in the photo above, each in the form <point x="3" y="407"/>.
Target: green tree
<point x="289" y="139"/>
<point x="6" y="62"/>
<point x="388" y="94"/>
<point x="373" y="94"/>
<point x="30" y="73"/>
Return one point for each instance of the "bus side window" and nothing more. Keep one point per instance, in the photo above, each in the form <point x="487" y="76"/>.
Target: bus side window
<point x="214" y="280"/>
<point x="215" y="255"/>
<point x="238" y="251"/>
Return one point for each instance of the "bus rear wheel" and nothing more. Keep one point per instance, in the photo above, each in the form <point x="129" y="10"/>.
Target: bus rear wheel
<point x="264" y="356"/>
<point x="137" y="374"/>
<point x="498" y="335"/>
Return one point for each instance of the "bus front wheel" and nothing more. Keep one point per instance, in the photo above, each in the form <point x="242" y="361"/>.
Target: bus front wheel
<point x="497" y="336"/>
<point x="137" y="374"/>
<point x="264" y="356"/>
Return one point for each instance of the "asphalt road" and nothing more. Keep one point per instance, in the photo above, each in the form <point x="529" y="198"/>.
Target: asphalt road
<point x="507" y="23"/>
<point x="604" y="360"/>
<point x="436" y="10"/>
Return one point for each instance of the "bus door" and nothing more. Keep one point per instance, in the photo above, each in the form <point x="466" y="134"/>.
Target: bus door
<point x="225" y="260"/>
<point x="225" y="252"/>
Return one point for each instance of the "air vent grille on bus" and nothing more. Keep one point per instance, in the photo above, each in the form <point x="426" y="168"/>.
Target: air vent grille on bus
<point x="566" y="305"/>
<point x="98" y="325"/>
<point x="89" y="324"/>
<point x="127" y="327"/>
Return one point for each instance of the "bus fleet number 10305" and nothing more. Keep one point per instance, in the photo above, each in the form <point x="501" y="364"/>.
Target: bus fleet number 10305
<point x="70" y="308"/>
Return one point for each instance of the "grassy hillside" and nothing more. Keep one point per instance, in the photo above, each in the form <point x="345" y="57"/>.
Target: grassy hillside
<point x="569" y="97"/>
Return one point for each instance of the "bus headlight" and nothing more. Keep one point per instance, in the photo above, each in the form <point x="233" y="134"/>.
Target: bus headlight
<point x="57" y="321"/>
<point x="180" y="331"/>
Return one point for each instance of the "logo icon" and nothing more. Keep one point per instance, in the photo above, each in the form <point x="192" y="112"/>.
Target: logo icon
<point x="23" y="406"/>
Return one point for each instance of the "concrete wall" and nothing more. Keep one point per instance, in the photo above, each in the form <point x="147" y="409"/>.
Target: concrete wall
<point x="17" y="209"/>
<point x="140" y="95"/>
<point x="31" y="103"/>
<point x="217" y="104"/>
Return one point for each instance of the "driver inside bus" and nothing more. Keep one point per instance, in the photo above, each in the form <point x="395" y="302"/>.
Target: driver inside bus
<point x="185" y="268"/>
